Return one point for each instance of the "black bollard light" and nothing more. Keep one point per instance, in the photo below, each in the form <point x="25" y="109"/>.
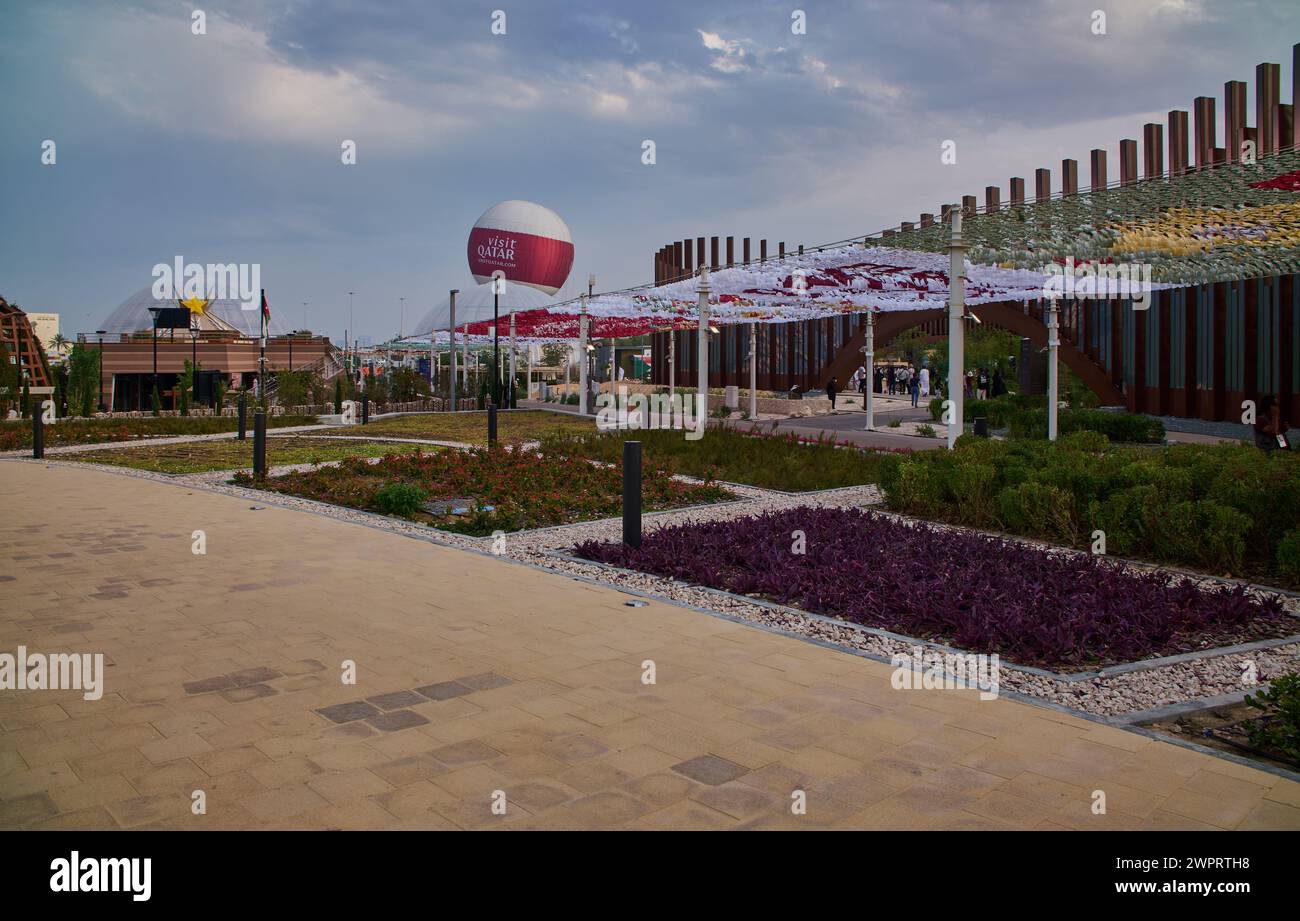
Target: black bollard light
<point x="981" y="427"/>
<point x="632" y="493"/>
<point x="365" y="409"/>
<point x="259" y="444"/>
<point x="38" y="431"/>
<point x="492" y="423"/>
<point x="243" y="415"/>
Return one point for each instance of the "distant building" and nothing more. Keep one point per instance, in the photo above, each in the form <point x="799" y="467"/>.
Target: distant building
<point x="46" y="327"/>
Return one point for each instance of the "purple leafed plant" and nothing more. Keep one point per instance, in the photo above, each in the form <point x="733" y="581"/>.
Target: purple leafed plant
<point x="973" y="591"/>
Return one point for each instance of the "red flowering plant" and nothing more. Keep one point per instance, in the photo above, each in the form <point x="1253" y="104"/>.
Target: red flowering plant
<point x="497" y="488"/>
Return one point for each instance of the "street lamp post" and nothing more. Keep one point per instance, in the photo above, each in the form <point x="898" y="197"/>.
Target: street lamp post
<point x="154" y="382"/>
<point x="702" y="372"/>
<point x="100" y="333"/>
<point x="497" y="281"/>
<point x="433" y="335"/>
<point x="401" y="323"/>
<point x="956" y="331"/>
<point x="582" y="359"/>
<point x="869" y="351"/>
<point x="352" y="330"/>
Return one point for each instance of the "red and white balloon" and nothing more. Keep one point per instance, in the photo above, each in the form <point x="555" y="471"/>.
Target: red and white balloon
<point x="526" y="243"/>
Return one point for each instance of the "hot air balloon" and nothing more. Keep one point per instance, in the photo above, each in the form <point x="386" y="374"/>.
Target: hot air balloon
<point x="525" y="242"/>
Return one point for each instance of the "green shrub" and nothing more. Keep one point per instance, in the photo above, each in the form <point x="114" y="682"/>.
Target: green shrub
<point x="401" y="499"/>
<point x="1288" y="557"/>
<point x="1280" y="727"/>
<point x="1126" y="427"/>
<point x="1224" y="509"/>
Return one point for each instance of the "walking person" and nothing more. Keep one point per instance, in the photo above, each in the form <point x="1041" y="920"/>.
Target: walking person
<point x="832" y="387"/>
<point x="1270" y="427"/>
<point x="982" y="384"/>
<point x="925" y="383"/>
<point x="914" y="386"/>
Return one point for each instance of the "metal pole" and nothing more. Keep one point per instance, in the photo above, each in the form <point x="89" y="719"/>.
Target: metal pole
<point x="672" y="361"/>
<point x="365" y="408"/>
<point x="496" y="341"/>
<point x="582" y="358"/>
<point x="1053" y="341"/>
<point x="956" y="331"/>
<point x="632" y="493"/>
<point x="101" y="373"/>
<point x="511" y="401"/>
<point x="454" y="292"/>
<point x="38" y="430"/>
<point x="492" y="423"/>
<point x="869" y="350"/>
<point x="753" y="371"/>
<point x="259" y="443"/>
<point x="243" y="415"/>
<point x="702" y="372"/>
<point x="464" y="354"/>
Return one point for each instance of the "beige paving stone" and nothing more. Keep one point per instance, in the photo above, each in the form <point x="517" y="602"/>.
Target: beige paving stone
<point x="568" y="716"/>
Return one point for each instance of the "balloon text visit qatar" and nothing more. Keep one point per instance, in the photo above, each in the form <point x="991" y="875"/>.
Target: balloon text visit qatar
<point x="524" y="241"/>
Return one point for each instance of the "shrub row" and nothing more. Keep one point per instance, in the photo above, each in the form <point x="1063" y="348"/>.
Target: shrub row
<point x="18" y="434"/>
<point x="1025" y="416"/>
<point x="1224" y="509"/>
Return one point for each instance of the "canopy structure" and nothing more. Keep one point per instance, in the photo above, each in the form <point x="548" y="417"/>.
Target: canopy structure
<point x="1237" y="220"/>
<point x="474" y="305"/>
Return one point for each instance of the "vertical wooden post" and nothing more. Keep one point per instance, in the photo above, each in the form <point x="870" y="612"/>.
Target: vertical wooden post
<point x="1205" y="128"/>
<point x="1128" y="161"/>
<point x="1098" y="163"/>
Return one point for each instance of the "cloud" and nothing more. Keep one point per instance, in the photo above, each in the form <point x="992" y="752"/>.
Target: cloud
<point x="229" y="84"/>
<point x="731" y="57"/>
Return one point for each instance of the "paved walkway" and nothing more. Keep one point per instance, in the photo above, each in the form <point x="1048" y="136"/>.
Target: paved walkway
<point x="482" y="681"/>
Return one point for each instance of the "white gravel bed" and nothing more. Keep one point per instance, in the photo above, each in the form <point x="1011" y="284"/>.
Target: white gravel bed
<point x="1106" y="695"/>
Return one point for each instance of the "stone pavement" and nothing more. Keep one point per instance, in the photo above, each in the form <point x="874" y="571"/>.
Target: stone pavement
<point x="482" y="681"/>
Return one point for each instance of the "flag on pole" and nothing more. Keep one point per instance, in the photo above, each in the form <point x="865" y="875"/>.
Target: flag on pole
<point x="266" y="313"/>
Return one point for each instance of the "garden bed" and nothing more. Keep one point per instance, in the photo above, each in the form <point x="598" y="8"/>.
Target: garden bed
<point x="1225" y="510"/>
<point x="18" y="434"/>
<point x="979" y="593"/>
<point x="471" y="428"/>
<point x="482" y="490"/>
<point x="232" y="454"/>
<point x="784" y="462"/>
<point x="1237" y="729"/>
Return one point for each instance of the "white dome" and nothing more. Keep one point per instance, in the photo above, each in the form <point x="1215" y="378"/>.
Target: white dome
<point x="133" y="315"/>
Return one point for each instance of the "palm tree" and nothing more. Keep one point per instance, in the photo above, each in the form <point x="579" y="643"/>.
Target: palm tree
<point x="59" y="344"/>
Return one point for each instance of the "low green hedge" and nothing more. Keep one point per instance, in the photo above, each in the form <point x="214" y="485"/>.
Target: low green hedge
<point x="1032" y="423"/>
<point x="997" y="410"/>
<point x="1223" y="509"/>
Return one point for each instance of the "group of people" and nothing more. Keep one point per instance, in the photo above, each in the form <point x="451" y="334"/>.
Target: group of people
<point x="981" y="384"/>
<point x="905" y="379"/>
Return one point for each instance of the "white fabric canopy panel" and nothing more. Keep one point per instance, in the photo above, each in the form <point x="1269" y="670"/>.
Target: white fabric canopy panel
<point x="821" y="284"/>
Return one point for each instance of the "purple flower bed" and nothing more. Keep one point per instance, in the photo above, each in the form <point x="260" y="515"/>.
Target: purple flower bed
<point x="973" y="591"/>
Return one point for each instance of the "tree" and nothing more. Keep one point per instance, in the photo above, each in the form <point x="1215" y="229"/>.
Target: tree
<point x="59" y="343"/>
<point x="186" y="385"/>
<point x="155" y="401"/>
<point x="338" y="395"/>
<point x="83" y="379"/>
<point x="554" y="354"/>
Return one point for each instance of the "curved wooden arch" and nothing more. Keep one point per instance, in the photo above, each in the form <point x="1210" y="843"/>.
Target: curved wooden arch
<point x="1002" y="315"/>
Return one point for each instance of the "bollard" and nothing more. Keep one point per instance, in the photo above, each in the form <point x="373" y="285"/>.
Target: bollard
<point x="632" y="493"/>
<point x="981" y="427"/>
<point x="38" y="431"/>
<point x="259" y="444"/>
<point x="243" y="415"/>
<point x="365" y="409"/>
<point x="492" y="423"/>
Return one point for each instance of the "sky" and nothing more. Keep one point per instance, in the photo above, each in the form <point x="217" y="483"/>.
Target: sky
<point x="226" y="146"/>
